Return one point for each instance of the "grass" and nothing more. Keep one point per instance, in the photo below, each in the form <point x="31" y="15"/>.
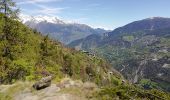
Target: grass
<point x="129" y="92"/>
<point x="5" y="97"/>
<point x="12" y="90"/>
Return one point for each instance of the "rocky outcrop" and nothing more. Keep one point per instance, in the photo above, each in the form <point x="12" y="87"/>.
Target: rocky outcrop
<point x="43" y="83"/>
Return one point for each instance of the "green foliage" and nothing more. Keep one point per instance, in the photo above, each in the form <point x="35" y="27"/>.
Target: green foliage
<point x="128" y="38"/>
<point x="148" y="84"/>
<point x="128" y="92"/>
<point x="165" y="42"/>
<point x="128" y="50"/>
<point x="4" y="97"/>
<point x="32" y="56"/>
<point x="8" y="8"/>
<point x="115" y="81"/>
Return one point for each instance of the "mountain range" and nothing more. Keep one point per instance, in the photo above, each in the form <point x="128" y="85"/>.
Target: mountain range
<point x="27" y="56"/>
<point x="139" y="50"/>
<point x="60" y="30"/>
<point x="131" y="49"/>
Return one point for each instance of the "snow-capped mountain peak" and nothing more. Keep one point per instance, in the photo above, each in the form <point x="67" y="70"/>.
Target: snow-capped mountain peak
<point x="40" y="18"/>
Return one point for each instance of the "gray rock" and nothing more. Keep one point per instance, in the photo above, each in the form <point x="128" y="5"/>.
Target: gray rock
<point x="43" y="83"/>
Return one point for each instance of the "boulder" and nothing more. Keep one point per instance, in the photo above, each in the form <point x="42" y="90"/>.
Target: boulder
<point x="43" y="83"/>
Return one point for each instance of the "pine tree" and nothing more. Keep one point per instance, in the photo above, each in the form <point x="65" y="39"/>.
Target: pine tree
<point x="10" y="11"/>
<point x="44" y="47"/>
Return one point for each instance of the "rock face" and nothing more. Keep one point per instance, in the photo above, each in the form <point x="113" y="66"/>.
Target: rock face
<point x="43" y="83"/>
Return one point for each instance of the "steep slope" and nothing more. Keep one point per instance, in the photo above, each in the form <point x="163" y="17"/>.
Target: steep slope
<point x="27" y="55"/>
<point x="60" y="30"/>
<point x="139" y="50"/>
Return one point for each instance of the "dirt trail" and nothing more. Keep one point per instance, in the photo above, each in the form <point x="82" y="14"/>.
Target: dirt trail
<point x="53" y="92"/>
<point x="49" y="93"/>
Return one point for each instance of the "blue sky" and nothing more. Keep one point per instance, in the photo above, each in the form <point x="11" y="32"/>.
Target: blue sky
<point x="108" y="14"/>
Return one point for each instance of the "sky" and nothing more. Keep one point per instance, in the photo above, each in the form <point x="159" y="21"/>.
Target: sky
<point x="108" y="14"/>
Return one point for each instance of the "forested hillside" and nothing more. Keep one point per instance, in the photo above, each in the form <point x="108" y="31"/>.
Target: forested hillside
<point x="27" y="55"/>
<point x="139" y="50"/>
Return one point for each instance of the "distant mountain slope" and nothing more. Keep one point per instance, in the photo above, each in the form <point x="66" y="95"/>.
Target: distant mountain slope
<point x="145" y="24"/>
<point x="26" y="56"/>
<point x="60" y="30"/>
<point x="139" y="50"/>
<point x="90" y="42"/>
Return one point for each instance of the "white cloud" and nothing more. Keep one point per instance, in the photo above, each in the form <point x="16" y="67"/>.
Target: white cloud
<point x="49" y="11"/>
<point x="36" y="1"/>
<point x="42" y="9"/>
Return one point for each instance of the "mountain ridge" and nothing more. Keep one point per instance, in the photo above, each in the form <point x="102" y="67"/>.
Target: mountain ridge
<point x="133" y="49"/>
<point x="27" y="56"/>
<point x="62" y="31"/>
<point x="144" y="24"/>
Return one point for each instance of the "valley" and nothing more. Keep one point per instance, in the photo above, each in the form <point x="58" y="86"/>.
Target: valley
<point x="43" y="57"/>
<point x="139" y="50"/>
<point x="65" y="32"/>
